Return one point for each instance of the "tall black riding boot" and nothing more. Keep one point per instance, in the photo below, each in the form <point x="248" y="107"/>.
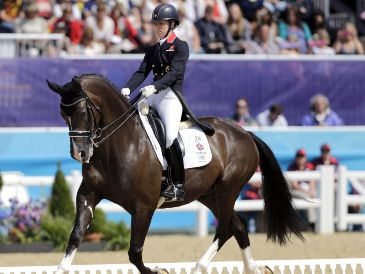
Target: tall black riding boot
<point x="175" y="191"/>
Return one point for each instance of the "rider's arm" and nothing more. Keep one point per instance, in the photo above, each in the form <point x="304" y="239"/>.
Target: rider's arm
<point x="141" y="74"/>
<point x="177" y="69"/>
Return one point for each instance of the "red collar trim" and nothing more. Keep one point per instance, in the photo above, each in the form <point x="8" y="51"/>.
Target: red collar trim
<point x="171" y="38"/>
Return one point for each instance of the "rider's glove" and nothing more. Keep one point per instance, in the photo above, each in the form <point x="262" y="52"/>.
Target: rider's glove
<point x="125" y="92"/>
<point x="147" y="91"/>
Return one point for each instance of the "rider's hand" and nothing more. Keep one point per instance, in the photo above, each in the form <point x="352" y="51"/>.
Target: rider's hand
<point x="147" y="91"/>
<point x="125" y="92"/>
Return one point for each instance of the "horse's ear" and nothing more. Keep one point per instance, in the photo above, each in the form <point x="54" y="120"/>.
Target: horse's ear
<point x="54" y="87"/>
<point x="76" y="81"/>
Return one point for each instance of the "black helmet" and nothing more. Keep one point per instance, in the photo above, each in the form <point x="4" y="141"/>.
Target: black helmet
<point x="165" y="12"/>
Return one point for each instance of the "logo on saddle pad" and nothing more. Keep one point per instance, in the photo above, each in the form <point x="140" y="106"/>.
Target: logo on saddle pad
<point x="200" y="146"/>
<point x="200" y="154"/>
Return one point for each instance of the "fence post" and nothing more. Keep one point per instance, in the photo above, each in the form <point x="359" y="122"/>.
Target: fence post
<point x="325" y="220"/>
<point x="202" y="221"/>
<point x="341" y="204"/>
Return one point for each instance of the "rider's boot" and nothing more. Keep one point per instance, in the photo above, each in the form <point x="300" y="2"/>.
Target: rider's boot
<point x="175" y="191"/>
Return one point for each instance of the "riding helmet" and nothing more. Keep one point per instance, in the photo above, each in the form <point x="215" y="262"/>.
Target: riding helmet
<point x="165" y="12"/>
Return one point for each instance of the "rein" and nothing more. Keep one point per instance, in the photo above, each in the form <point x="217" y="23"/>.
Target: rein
<point x="96" y="136"/>
<point x="99" y="131"/>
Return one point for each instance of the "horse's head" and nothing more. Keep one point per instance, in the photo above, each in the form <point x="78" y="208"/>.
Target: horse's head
<point x="81" y="116"/>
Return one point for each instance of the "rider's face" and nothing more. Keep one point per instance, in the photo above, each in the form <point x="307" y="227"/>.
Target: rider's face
<point x="161" y="28"/>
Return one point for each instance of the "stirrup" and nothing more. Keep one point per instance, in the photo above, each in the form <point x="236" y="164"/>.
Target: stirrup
<point x="174" y="193"/>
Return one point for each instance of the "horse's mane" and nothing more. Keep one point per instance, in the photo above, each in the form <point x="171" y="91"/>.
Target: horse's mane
<point x="104" y="79"/>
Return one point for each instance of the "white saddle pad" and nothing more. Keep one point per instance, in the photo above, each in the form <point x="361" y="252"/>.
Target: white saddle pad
<point x="197" y="149"/>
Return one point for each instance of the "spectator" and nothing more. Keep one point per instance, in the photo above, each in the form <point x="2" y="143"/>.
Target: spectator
<point x="45" y="8"/>
<point x="252" y="191"/>
<point x="265" y="17"/>
<point x="72" y="28"/>
<point x="325" y="158"/>
<point x="262" y="43"/>
<point x="348" y="41"/>
<point x="303" y="189"/>
<point x="61" y="5"/>
<point x="239" y="29"/>
<point x="321" y="113"/>
<point x="55" y="49"/>
<point x="249" y="7"/>
<point x="305" y="8"/>
<point x="88" y="45"/>
<point x="31" y="22"/>
<point x="242" y="115"/>
<point x="102" y="25"/>
<point x="276" y="7"/>
<point x="220" y="13"/>
<point x="212" y="35"/>
<point x="320" y="43"/>
<point x="319" y="22"/>
<point x="125" y="36"/>
<point x="192" y="10"/>
<point x="272" y="117"/>
<point x="9" y="12"/>
<point x="292" y="29"/>
<point x="188" y="32"/>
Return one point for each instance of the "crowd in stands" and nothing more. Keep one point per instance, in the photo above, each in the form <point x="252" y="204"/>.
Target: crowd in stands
<point x="320" y="114"/>
<point x="209" y="26"/>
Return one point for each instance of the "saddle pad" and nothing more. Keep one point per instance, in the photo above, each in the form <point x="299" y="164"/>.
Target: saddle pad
<point x="197" y="149"/>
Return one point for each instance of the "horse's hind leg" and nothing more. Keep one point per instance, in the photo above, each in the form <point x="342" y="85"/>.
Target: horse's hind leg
<point x="239" y="228"/>
<point x="85" y="205"/>
<point x="221" y="208"/>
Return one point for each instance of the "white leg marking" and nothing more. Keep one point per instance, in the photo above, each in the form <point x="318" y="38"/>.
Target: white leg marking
<point x="66" y="262"/>
<point x="201" y="266"/>
<point x="250" y="266"/>
<point x="91" y="210"/>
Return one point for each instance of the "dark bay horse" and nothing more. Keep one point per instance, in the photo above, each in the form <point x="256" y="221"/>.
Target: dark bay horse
<point x="125" y="170"/>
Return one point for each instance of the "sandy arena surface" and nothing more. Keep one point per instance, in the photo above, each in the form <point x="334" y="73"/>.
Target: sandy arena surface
<point x="180" y="248"/>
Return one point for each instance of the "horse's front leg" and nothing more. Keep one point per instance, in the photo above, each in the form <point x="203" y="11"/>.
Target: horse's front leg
<point x="85" y="206"/>
<point x="141" y="219"/>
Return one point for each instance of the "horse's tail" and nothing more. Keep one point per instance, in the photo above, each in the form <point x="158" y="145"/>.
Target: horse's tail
<point x="279" y="213"/>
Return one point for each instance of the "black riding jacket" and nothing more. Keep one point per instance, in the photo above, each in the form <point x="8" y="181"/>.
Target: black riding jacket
<point x="167" y="61"/>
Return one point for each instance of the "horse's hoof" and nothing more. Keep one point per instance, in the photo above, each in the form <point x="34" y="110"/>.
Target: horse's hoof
<point x="199" y="270"/>
<point x="161" y="270"/>
<point x="266" y="270"/>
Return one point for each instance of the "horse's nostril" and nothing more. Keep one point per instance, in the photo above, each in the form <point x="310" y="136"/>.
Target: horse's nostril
<point x="82" y="154"/>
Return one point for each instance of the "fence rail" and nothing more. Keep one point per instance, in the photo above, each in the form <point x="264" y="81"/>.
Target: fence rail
<point x="355" y="265"/>
<point x="329" y="209"/>
<point x="30" y="45"/>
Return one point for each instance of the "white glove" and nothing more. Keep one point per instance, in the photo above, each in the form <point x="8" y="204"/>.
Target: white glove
<point x="125" y="92"/>
<point x="147" y="91"/>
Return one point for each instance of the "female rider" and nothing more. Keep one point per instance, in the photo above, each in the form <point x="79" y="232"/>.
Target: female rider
<point x="167" y="59"/>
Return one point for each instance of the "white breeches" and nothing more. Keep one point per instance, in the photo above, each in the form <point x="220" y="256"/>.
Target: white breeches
<point x="170" y="110"/>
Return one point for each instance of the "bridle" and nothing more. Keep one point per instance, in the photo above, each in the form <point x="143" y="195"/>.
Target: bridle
<point x="96" y="136"/>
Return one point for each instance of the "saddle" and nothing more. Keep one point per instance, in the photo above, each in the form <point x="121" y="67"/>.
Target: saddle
<point x="159" y="131"/>
<point x="158" y="128"/>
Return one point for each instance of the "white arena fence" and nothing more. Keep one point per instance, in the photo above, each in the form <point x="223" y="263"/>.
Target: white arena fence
<point x="326" y="203"/>
<point x="30" y="45"/>
<point x="356" y="265"/>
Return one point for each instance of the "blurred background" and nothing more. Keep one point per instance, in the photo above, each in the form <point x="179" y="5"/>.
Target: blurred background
<point x="291" y="71"/>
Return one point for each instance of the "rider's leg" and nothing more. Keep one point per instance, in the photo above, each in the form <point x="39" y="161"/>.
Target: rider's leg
<point x="176" y="166"/>
<point x="170" y="110"/>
